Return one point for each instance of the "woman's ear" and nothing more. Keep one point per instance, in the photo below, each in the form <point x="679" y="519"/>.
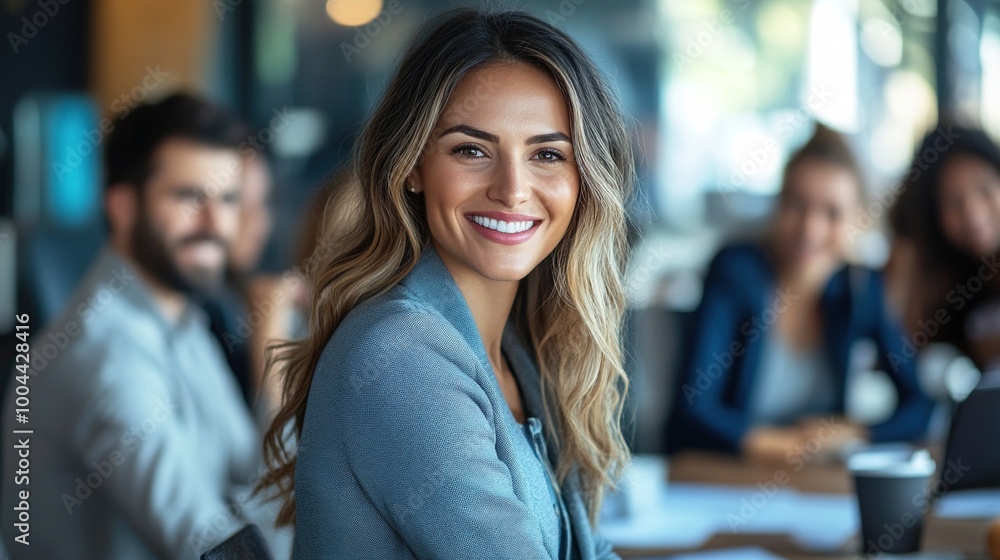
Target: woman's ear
<point x="413" y="182"/>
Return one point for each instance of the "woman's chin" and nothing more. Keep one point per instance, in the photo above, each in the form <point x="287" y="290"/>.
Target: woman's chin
<point x="498" y="273"/>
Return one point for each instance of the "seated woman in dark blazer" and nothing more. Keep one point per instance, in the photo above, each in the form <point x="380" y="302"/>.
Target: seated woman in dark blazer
<point x="770" y="348"/>
<point x="460" y="391"/>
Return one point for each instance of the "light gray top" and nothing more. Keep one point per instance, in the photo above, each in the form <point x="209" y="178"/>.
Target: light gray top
<point x="140" y="434"/>
<point x="542" y="497"/>
<point x="791" y="383"/>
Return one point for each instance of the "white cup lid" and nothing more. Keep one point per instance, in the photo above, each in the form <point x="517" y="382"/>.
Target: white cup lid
<point x="892" y="463"/>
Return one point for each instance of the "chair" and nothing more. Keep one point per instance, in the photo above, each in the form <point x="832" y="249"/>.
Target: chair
<point x="246" y="544"/>
<point x="51" y="262"/>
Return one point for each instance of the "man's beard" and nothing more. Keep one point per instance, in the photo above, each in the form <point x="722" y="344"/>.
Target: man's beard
<point x="151" y="252"/>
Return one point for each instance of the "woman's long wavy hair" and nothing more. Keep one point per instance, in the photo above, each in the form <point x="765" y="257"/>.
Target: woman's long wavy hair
<point x="916" y="215"/>
<point x="570" y="307"/>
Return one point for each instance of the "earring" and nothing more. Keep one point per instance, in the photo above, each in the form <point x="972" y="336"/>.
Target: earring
<point x="412" y="190"/>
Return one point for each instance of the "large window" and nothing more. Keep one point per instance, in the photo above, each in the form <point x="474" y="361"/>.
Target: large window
<point x="744" y="81"/>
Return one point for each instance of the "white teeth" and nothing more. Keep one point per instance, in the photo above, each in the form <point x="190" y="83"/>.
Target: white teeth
<point x="503" y="227"/>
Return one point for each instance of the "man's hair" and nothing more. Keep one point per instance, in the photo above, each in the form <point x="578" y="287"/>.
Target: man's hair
<point x="131" y="146"/>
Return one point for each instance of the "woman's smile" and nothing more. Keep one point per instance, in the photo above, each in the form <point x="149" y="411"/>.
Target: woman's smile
<point x="503" y="227"/>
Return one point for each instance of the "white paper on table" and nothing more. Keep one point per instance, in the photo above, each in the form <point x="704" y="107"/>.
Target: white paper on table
<point x="980" y="503"/>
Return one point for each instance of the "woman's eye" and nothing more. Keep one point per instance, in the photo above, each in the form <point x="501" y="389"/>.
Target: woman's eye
<point x="468" y="151"/>
<point x="550" y="155"/>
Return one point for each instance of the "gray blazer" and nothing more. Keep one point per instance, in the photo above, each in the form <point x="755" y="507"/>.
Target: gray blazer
<point x="406" y="451"/>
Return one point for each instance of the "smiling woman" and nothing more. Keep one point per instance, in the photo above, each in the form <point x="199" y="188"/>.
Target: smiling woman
<point x="460" y="392"/>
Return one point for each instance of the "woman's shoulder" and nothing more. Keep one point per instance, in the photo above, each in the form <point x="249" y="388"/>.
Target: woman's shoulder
<point x="389" y="333"/>
<point x="742" y="262"/>
<point x="747" y="253"/>
<point x="394" y="312"/>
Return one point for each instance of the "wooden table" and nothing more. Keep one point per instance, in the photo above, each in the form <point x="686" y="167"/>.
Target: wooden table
<point x="696" y="466"/>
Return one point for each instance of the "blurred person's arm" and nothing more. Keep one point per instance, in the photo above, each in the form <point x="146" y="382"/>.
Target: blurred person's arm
<point x="717" y="335"/>
<point x="914" y="408"/>
<point x="777" y="444"/>
<point x="275" y="298"/>
<point x="129" y="430"/>
<point x="834" y="436"/>
<point x="771" y="444"/>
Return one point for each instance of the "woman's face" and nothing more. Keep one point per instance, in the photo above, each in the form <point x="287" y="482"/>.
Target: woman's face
<point x="498" y="174"/>
<point x="819" y="201"/>
<point x="969" y="199"/>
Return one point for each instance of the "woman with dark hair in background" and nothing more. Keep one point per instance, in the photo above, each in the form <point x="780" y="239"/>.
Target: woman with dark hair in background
<point x="947" y="223"/>
<point x="770" y="348"/>
<point x="460" y="390"/>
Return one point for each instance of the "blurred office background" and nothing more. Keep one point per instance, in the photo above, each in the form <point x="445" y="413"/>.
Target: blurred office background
<point x="720" y="92"/>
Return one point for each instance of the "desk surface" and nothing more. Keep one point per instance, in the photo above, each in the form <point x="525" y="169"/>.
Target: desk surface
<point x="705" y="502"/>
<point x="719" y="502"/>
<point x="722" y="469"/>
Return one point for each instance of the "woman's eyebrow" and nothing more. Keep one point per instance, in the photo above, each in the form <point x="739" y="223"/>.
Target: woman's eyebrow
<point x="474" y="132"/>
<point x="490" y="137"/>
<point x="548" y="137"/>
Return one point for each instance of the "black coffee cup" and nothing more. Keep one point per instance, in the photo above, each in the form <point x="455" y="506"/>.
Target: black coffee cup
<point x="891" y="487"/>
